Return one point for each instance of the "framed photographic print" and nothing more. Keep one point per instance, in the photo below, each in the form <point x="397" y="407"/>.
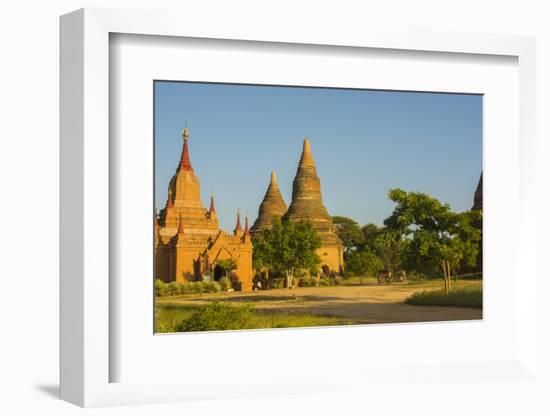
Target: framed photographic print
<point x="238" y="209"/>
<point x="300" y="265"/>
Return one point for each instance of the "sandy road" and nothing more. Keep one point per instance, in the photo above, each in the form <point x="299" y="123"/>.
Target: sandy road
<point x="360" y="304"/>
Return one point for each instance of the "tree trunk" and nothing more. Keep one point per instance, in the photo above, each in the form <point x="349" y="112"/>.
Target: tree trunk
<point x="449" y="274"/>
<point x="288" y="279"/>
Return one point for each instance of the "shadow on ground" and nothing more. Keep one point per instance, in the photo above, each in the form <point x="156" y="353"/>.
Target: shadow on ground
<point x="261" y="298"/>
<point x="51" y="390"/>
<point x="383" y="313"/>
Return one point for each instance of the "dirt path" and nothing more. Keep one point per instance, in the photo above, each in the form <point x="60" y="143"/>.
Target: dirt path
<point x="360" y="304"/>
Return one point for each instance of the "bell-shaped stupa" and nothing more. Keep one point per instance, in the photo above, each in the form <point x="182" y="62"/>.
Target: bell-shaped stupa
<point x="307" y="201"/>
<point x="272" y="207"/>
<point x="307" y="204"/>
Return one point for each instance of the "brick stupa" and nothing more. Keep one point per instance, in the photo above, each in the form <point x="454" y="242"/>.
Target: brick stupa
<point x="307" y="204"/>
<point x="272" y="207"/>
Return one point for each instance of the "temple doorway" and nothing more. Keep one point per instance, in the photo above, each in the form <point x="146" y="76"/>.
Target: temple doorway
<point x="219" y="272"/>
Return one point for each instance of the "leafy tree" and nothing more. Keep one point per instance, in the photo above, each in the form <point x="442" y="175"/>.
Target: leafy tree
<point x="387" y="245"/>
<point x="288" y="247"/>
<point x="390" y="247"/>
<point x="370" y="234"/>
<point x="349" y="232"/>
<point x="228" y="265"/>
<point x="363" y="262"/>
<point x="435" y="236"/>
<point x="261" y="255"/>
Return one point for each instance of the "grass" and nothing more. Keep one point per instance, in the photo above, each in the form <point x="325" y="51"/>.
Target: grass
<point x="224" y="316"/>
<point x="355" y="280"/>
<point x="470" y="296"/>
<point x="276" y="308"/>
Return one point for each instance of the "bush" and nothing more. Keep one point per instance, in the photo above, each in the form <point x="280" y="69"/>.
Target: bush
<point x="469" y="297"/>
<point x="307" y="282"/>
<point x="188" y="288"/>
<point x="225" y="283"/>
<point x="208" y="287"/>
<point x="159" y="287"/>
<point x="217" y="316"/>
<point x="172" y="289"/>
<point x="416" y="277"/>
<point x="471" y="276"/>
<point x="324" y="281"/>
<point x="277" y="283"/>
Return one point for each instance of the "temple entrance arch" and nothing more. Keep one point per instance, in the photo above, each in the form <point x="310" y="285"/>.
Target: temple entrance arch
<point x="219" y="272"/>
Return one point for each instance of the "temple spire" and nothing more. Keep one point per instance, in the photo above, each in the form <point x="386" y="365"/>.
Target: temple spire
<point x="246" y="230"/>
<point x="185" y="162"/>
<point x="478" y="196"/>
<point x="212" y="207"/>
<point x="238" y="227"/>
<point x="169" y="203"/>
<point x="306" y="160"/>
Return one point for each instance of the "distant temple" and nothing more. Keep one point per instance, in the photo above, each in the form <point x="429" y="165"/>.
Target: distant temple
<point x="478" y="206"/>
<point x="188" y="241"/>
<point x="478" y="196"/>
<point x="272" y="207"/>
<point x="307" y="204"/>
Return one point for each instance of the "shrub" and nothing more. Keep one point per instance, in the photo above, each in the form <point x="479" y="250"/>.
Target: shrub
<point x="217" y="316"/>
<point x="212" y="287"/>
<point x="471" y="276"/>
<point x="172" y="289"/>
<point x="277" y="283"/>
<point x="225" y="283"/>
<point x="159" y="287"/>
<point x="324" y="281"/>
<point x="307" y="282"/>
<point x="188" y="288"/>
<point x="416" y="277"/>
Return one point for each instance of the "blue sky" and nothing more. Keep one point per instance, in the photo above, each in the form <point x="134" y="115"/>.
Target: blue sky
<point x="364" y="143"/>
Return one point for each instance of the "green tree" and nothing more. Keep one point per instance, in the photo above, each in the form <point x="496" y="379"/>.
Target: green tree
<point x="370" y="234"/>
<point x="261" y="255"/>
<point x="435" y="236"/>
<point x="288" y="247"/>
<point x="349" y="232"/>
<point x="228" y="265"/>
<point x="386" y="244"/>
<point x="390" y="246"/>
<point x="363" y="262"/>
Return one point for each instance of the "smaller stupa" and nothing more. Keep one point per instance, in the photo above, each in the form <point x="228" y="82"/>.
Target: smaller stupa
<point x="272" y="207"/>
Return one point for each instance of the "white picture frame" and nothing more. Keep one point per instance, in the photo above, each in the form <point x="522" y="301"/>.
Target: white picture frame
<point x="85" y="342"/>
